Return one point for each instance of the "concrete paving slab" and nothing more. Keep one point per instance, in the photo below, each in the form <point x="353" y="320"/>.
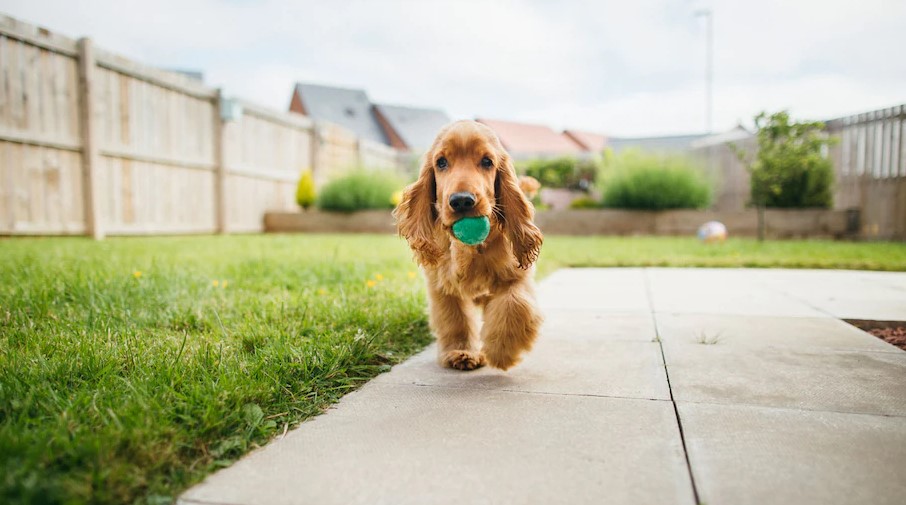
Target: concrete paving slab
<point x="847" y="294"/>
<point x="752" y="456"/>
<point x="596" y="368"/>
<point x="786" y="405"/>
<point x="393" y="444"/>
<point x="842" y="381"/>
<point x="597" y="325"/>
<point x="709" y="291"/>
<point x="767" y="332"/>
<point x="601" y="289"/>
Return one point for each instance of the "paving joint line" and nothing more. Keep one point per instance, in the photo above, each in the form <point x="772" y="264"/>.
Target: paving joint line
<point x="542" y="393"/>
<point x="679" y="422"/>
<point x="791" y="409"/>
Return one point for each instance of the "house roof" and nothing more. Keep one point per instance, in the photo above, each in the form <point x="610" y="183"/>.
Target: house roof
<point x="594" y="142"/>
<point x="349" y="108"/>
<point x="416" y="127"/>
<point x="733" y="135"/>
<point x="665" y="144"/>
<point x="530" y="139"/>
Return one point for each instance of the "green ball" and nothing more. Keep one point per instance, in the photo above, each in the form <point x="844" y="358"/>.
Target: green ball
<point x="472" y="230"/>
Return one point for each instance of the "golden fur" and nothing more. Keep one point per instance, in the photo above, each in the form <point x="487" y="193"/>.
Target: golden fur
<point x="495" y="276"/>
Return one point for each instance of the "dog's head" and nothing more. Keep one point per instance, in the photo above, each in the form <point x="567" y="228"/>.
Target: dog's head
<point x="466" y="173"/>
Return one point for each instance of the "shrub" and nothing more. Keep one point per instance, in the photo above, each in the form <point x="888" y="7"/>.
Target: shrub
<point x="305" y="191"/>
<point x="359" y="191"/>
<point x="584" y="202"/>
<point x="562" y="172"/>
<point x="654" y="182"/>
<point x="789" y="169"/>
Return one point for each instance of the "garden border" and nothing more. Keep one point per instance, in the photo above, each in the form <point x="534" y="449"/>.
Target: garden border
<point x="779" y="223"/>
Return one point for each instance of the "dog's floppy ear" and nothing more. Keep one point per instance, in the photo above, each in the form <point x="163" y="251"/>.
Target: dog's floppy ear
<point x="516" y="213"/>
<point x="416" y="216"/>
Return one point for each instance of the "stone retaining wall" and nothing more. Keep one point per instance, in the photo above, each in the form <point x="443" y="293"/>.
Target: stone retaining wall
<point x="807" y="223"/>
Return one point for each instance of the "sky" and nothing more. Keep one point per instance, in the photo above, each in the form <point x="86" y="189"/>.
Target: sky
<point x="622" y="68"/>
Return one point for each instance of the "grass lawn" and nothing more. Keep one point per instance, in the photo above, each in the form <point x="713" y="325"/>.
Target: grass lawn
<point x="131" y="368"/>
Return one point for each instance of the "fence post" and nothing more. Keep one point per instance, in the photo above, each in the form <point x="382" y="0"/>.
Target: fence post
<point x="315" y="153"/>
<point x="220" y="217"/>
<point x="87" y="64"/>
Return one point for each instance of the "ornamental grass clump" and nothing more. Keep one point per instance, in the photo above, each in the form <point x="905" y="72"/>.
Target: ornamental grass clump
<point x="359" y="190"/>
<point x="642" y="181"/>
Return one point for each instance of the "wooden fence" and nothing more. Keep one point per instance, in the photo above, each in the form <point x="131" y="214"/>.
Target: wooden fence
<point x="870" y="164"/>
<point x="869" y="159"/>
<point x="93" y="143"/>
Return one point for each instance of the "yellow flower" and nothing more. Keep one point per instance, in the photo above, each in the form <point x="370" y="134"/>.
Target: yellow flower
<point x="378" y="277"/>
<point x="411" y="275"/>
<point x="137" y="274"/>
<point x="396" y="198"/>
<point x="370" y="283"/>
<point x="224" y="283"/>
<point x="322" y="291"/>
<point x="215" y="283"/>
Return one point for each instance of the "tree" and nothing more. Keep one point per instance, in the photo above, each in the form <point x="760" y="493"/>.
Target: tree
<point x="790" y="169"/>
<point x="305" y="191"/>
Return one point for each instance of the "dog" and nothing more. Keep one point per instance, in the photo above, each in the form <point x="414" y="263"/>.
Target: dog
<point x="468" y="173"/>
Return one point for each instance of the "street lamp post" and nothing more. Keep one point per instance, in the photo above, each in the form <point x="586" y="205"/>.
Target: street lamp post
<point x="709" y="66"/>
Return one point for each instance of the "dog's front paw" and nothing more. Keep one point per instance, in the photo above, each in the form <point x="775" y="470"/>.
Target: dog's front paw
<point x="463" y="360"/>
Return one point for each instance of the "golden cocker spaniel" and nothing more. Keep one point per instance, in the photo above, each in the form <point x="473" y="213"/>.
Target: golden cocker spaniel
<point x="467" y="173"/>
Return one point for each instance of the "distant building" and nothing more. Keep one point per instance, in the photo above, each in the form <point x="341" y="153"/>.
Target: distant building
<point x="404" y="128"/>
<point x="410" y="128"/>
<point x="526" y="141"/>
<point x="666" y="144"/>
<point x="349" y="108"/>
<point x="593" y="142"/>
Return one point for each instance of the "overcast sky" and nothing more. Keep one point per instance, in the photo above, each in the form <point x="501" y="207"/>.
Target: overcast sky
<point x="625" y="68"/>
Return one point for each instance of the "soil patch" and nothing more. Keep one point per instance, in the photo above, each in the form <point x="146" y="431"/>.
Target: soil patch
<point x="892" y="332"/>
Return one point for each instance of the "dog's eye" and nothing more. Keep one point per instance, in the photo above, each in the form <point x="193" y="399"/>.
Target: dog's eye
<point x="486" y="162"/>
<point x="441" y="163"/>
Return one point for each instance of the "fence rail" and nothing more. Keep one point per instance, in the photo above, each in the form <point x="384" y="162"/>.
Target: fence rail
<point x="94" y="143"/>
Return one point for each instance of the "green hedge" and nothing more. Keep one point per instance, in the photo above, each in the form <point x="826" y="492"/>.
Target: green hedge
<point x="642" y="181"/>
<point x="562" y="172"/>
<point x="359" y="190"/>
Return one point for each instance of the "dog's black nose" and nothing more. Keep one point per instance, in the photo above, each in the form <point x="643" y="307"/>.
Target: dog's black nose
<point x="462" y="202"/>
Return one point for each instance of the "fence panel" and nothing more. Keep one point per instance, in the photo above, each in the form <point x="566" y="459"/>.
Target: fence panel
<point x="156" y="166"/>
<point x="337" y="152"/>
<point x="40" y="161"/>
<point x="870" y="164"/>
<point x="264" y="152"/>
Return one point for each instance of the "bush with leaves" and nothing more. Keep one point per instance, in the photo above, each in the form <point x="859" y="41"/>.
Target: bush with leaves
<point x="564" y="172"/>
<point x="359" y="190"/>
<point x="641" y="181"/>
<point x="789" y="169"/>
<point x="305" y="190"/>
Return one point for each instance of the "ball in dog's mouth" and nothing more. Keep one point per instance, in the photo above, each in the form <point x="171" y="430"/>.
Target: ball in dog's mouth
<point x="472" y="230"/>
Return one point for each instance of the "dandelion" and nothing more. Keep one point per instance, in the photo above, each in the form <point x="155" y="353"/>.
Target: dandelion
<point x="224" y="283"/>
<point x="378" y="277"/>
<point x="411" y="275"/>
<point x="215" y="283"/>
<point x="322" y="291"/>
<point x="370" y="283"/>
<point x="137" y="274"/>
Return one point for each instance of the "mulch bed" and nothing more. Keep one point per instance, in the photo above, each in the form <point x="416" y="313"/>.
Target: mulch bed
<point x="892" y="332"/>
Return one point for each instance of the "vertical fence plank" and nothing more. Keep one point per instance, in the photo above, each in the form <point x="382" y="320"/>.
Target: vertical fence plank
<point x="220" y="216"/>
<point x="87" y="68"/>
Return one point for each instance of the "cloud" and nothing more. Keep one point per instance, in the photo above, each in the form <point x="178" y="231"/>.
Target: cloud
<point x="625" y="68"/>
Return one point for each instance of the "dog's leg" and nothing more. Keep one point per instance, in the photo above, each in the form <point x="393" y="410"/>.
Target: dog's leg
<point x="511" y="324"/>
<point x="455" y="324"/>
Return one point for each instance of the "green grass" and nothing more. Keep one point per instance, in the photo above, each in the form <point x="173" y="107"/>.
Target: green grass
<point x="688" y="252"/>
<point x="117" y="388"/>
